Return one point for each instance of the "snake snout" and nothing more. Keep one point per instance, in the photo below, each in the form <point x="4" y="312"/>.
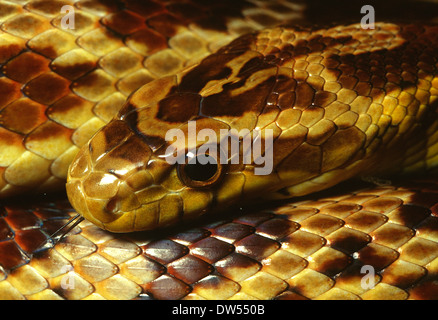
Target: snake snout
<point x="106" y="174"/>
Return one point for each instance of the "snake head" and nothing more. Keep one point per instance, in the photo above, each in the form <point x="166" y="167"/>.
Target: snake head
<point x="126" y="179"/>
<point x="123" y="181"/>
<point x="122" y="184"/>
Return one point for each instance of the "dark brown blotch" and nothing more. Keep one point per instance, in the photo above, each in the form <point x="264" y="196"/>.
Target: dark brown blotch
<point x="257" y="247"/>
<point x="324" y="98"/>
<point x="250" y="66"/>
<point x="427" y="227"/>
<point x="232" y="231"/>
<point x="26" y="66"/>
<point x="224" y="104"/>
<point x="5" y="231"/>
<point x="392" y="234"/>
<point x="73" y="71"/>
<point x="219" y="13"/>
<point x="211" y="249"/>
<point x="45" y="6"/>
<point x="286" y="100"/>
<point x="134" y="150"/>
<point x="409" y="215"/>
<point x="22" y="116"/>
<point x="165" y="251"/>
<point x="47" y="88"/>
<point x="167" y="287"/>
<point x="331" y="264"/>
<point x="11" y="256"/>
<point x="277" y="228"/>
<point x="427" y="289"/>
<point x="254" y="219"/>
<point x="305" y="160"/>
<point x="211" y="68"/>
<point x="179" y="107"/>
<point x="377" y="256"/>
<point x="234" y="262"/>
<point x="9" y="91"/>
<point x="239" y="45"/>
<point x="154" y="142"/>
<point x="167" y="24"/>
<point x="191" y="235"/>
<point x="21" y="219"/>
<point x="352" y="274"/>
<point x="145" y="8"/>
<point x="115" y="133"/>
<point x="48" y="130"/>
<point x="29" y="240"/>
<point x="348" y="240"/>
<point x="186" y="11"/>
<point x="9" y="50"/>
<point x="150" y="40"/>
<point x="402" y="276"/>
<point x="124" y="22"/>
<point x="70" y="103"/>
<point x="189" y="269"/>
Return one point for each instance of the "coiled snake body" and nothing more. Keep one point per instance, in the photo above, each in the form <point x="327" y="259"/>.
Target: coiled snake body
<point x="340" y="102"/>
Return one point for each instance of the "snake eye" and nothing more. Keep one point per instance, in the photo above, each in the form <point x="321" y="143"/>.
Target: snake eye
<point x="200" y="171"/>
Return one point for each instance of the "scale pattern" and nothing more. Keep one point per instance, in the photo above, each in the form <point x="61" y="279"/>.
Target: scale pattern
<point x="340" y="102"/>
<point x="64" y="84"/>
<point x="311" y="249"/>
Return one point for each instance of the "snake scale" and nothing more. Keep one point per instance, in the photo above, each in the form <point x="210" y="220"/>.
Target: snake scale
<point x="341" y="101"/>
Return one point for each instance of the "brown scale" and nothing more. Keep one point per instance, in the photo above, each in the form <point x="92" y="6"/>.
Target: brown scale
<point x="10" y="90"/>
<point x="47" y="88"/>
<point x="30" y="113"/>
<point x="83" y="63"/>
<point x="25" y="67"/>
<point x="5" y="231"/>
<point x="189" y="269"/>
<point x="211" y="250"/>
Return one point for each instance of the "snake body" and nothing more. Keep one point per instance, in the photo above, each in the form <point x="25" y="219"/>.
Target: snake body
<point x="341" y="102"/>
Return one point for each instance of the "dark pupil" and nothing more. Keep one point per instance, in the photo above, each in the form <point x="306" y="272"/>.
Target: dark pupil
<point x="200" y="172"/>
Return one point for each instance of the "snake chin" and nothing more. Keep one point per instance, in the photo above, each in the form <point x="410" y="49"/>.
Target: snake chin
<point x="116" y="203"/>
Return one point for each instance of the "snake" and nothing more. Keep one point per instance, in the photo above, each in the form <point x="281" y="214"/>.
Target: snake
<point x="89" y="107"/>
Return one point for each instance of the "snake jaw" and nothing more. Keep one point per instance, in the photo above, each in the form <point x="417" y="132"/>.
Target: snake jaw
<point x="121" y="193"/>
<point x="106" y="174"/>
<point x="93" y="193"/>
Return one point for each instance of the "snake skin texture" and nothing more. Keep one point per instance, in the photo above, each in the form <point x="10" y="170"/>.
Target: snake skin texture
<point x="77" y="82"/>
<point x="311" y="249"/>
<point x="59" y="86"/>
<point x="339" y="102"/>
